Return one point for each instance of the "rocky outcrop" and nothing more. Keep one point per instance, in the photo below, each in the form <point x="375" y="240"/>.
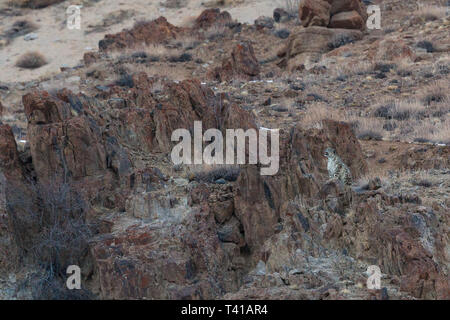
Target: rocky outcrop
<point x="64" y="142"/>
<point x="242" y="64"/>
<point x="212" y="17"/>
<point x="158" y="31"/>
<point x="348" y="14"/>
<point x="310" y="43"/>
<point x="151" y="32"/>
<point x="347" y="20"/>
<point x="10" y="164"/>
<point x="182" y="261"/>
<point x="338" y="6"/>
<point x="314" y="13"/>
<point x="259" y="200"/>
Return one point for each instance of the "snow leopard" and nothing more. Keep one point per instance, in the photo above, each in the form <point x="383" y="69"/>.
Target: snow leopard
<point x="337" y="169"/>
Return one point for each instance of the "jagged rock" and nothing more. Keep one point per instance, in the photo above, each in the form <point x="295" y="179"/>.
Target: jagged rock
<point x="152" y="32"/>
<point x="10" y="164"/>
<point x="242" y="64"/>
<point x="185" y="262"/>
<point x="62" y="142"/>
<point x="314" y="13"/>
<point x="259" y="199"/>
<point x="223" y="210"/>
<point x="212" y="17"/>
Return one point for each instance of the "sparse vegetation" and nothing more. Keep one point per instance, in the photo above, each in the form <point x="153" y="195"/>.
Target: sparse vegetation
<point x="20" y="28"/>
<point x="175" y="4"/>
<point x="291" y="6"/>
<point x="437" y="92"/>
<point x="34" y="4"/>
<point x="339" y="41"/>
<point x="31" y="60"/>
<point x="49" y="227"/>
<point x="210" y="174"/>
<point x="430" y="12"/>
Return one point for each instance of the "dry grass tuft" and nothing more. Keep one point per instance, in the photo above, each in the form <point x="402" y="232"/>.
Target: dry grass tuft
<point x="174" y="4"/>
<point x="212" y="173"/>
<point x="436" y="92"/>
<point x="33" y="4"/>
<point x="291" y="6"/>
<point x="430" y="12"/>
<point x="31" y="60"/>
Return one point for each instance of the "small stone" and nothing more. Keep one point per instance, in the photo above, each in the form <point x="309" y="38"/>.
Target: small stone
<point x="220" y="181"/>
<point x="260" y="269"/>
<point x="30" y="36"/>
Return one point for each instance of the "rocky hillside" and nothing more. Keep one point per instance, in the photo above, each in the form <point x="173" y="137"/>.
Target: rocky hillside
<point x="86" y="176"/>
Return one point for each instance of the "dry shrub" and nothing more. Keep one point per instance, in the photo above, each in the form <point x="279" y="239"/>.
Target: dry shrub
<point x="215" y="32"/>
<point x="31" y="60"/>
<point x="163" y="71"/>
<point x="344" y="70"/>
<point x="430" y="12"/>
<point x="175" y="4"/>
<point x="368" y="129"/>
<point x="399" y="110"/>
<point x="291" y="6"/>
<point x="317" y="112"/>
<point x="433" y="131"/>
<point x="437" y="92"/>
<point x="20" y="28"/>
<point x="211" y="173"/>
<point x="33" y="4"/>
<point x="49" y="229"/>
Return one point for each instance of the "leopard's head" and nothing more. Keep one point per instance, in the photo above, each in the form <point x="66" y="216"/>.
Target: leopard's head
<point x="329" y="153"/>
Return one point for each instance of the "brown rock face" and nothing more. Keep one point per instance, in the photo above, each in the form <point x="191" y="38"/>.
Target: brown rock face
<point x="9" y="157"/>
<point x="259" y="199"/>
<point x="242" y="64"/>
<point x="338" y="6"/>
<point x="156" y="31"/>
<point x="168" y="262"/>
<point x="314" y="13"/>
<point x="347" y="20"/>
<point x="62" y="141"/>
<point x="319" y="13"/>
<point x="212" y="17"/>
<point x="305" y="43"/>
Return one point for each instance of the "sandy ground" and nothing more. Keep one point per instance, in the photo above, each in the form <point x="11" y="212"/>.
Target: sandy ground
<point x="64" y="47"/>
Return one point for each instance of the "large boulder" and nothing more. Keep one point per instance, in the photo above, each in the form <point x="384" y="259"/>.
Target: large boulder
<point x="212" y="17"/>
<point x="347" y="20"/>
<point x="348" y="14"/>
<point x="338" y="6"/>
<point x="311" y="43"/>
<point x="241" y="64"/>
<point x="314" y="13"/>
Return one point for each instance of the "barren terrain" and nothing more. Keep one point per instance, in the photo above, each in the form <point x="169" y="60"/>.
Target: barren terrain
<point x="86" y="176"/>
